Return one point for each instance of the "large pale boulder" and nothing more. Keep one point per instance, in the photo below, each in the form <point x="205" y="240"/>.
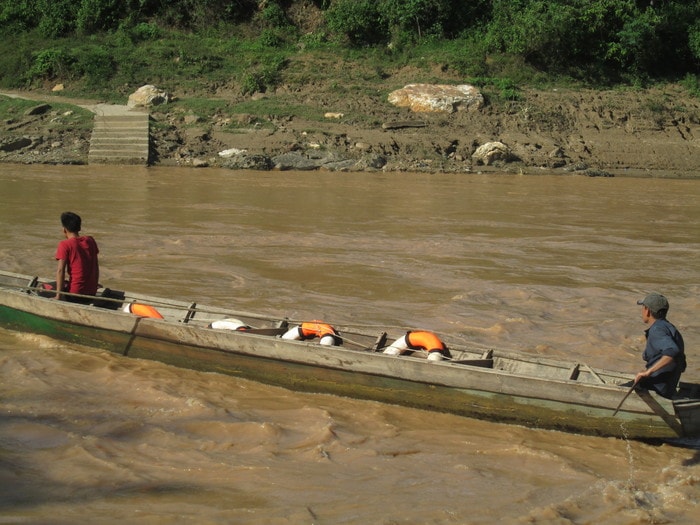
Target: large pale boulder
<point x="492" y="152"/>
<point x="148" y="95"/>
<point x="437" y="98"/>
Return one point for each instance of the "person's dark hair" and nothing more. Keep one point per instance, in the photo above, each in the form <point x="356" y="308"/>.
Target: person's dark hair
<point x="71" y="221"/>
<point x="661" y="314"/>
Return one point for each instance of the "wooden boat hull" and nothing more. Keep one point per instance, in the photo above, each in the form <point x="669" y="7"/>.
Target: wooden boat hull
<point x="495" y="394"/>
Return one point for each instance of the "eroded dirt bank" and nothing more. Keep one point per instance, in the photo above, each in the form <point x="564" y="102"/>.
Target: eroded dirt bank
<point x="653" y="132"/>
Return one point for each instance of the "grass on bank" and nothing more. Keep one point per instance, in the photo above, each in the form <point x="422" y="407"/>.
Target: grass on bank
<point x="65" y="117"/>
<point x="216" y="73"/>
<point x="111" y="65"/>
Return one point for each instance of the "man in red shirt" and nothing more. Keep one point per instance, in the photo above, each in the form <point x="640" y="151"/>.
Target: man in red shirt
<point x="77" y="255"/>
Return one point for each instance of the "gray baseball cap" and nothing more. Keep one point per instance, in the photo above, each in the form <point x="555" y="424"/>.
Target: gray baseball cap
<point x="655" y="302"/>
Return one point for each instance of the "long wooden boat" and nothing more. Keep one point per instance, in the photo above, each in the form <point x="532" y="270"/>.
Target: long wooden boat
<point x="474" y="382"/>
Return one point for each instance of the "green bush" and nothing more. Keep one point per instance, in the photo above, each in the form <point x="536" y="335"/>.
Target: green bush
<point x="469" y="57"/>
<point x="56" y="18"/>
<point x="506" y="89"/>
<point x="694" y="40"/>
<point x="262" y="78"/>
<point x="271" y="38"/>
<point x="417" y="17"/>
<point x="49" y="64"/>
<point x="273" y="15"/>
<point x="17" y="16"/>
<point x="314" y="40"/>
<point x="630" y="49"/>
<point x="98" y="15"/>
<point x="144" y="31"/>
<point x="359" y="21"/>
<point x="201" y="14"/>
<point x="95" y="65"/>
<point x="692" y="84"/>
<point x="536" y="30"/>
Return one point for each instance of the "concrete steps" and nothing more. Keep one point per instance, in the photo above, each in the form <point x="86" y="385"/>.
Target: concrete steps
<point x="120" y="138"/>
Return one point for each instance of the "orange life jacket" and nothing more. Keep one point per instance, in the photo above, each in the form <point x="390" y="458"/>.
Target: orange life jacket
<point x="142" y="310"/>
<point x="312" y="329"/>
<point x="423" y="340"/>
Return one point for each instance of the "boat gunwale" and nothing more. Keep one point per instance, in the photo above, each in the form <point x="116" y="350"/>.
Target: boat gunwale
<point x="414" y="369"/>
<point x="428" y="372"/>
<point x="509" y="356"/>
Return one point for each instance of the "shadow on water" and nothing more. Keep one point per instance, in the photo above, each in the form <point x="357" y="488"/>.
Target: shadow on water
<point x="27" y="485"/>
<point x="688" y="444"/>
<point x="695" y="460"/>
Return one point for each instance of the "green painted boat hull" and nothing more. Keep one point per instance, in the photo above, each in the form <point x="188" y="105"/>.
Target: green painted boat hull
<point x="495" y="394"/>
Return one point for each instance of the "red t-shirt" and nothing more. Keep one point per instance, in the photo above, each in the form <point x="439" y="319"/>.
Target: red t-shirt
<point x="80" y="254"/>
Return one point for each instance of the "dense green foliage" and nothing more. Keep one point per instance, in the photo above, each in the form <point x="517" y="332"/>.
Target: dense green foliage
<point x="103" y="43"/>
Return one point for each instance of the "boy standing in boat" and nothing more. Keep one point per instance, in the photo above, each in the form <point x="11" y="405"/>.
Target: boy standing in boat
<point x="664" y="352"/>
<point x="76" y="255"/>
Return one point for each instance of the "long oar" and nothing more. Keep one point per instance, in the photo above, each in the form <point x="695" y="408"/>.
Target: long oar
<point x="624" y="398"/>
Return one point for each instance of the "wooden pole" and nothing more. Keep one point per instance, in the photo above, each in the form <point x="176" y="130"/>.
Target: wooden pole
<point x="624" y="398"/>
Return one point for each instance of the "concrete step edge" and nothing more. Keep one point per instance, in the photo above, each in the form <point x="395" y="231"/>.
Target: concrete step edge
<point x="120" y="140"/>
<point x="118" y="153"/>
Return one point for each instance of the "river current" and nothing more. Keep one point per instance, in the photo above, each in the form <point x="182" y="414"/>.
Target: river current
<point x="544" y="265"/>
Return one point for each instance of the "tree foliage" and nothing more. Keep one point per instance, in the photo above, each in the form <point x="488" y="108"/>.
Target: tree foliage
<point x="606" y="39"/>
<point x="58" y="17"/>
<point x="357" y="20"/>
<point x="612" y="40"/>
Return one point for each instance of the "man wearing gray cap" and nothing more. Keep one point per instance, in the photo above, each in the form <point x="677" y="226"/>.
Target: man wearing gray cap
<point x="665" y="352"/>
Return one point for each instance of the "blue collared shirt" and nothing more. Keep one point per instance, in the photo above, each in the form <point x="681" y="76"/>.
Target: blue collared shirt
<point x="663" y="339"/>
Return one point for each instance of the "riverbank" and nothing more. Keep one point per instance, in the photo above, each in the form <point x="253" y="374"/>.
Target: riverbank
<point x="651" y="132"/>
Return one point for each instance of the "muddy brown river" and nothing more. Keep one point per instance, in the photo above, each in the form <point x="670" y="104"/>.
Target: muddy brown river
<point x="544" y="265"/>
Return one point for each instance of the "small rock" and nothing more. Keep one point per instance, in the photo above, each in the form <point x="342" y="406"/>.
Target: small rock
<point x="374" y="162"/>
<point x="301" y="162"/>
<point x="38" y="110"/>
<point x="16" y="144"/>
<point x="197" y="134"/>
<point x="491" y="152"/>
<point x="557" y="163"/>
<point x="597" y="173"/>
<point x="248" y="162"/>
<point x="228" y="153"/>
<point x="192" y="119"/>
<point x="341" y="165"/>
<point x="579" y="166"/>
<point x="404" y="124"/>
<point x="244" y="119"/>
<point x="556" y="153"/>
